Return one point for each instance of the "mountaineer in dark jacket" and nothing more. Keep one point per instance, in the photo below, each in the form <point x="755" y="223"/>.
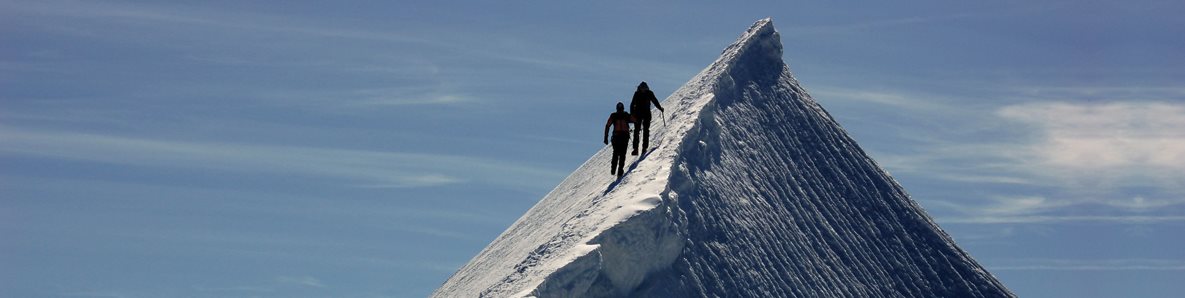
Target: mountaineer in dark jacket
<point x="640" y="109"/>
<point x="620" y="122"/>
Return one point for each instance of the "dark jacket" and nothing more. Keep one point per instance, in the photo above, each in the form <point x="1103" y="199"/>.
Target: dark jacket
<point x="640" y="105"/>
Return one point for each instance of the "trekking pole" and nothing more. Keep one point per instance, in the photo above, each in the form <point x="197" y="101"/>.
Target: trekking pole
<point x="664" y="117"/>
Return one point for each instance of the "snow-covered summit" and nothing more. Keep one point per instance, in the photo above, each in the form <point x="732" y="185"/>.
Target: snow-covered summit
<point x="752" y="190"/>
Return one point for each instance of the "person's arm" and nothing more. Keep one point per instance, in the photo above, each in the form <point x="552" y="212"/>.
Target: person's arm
<point x="607" y="124"/>
<point x="655" y="101"/>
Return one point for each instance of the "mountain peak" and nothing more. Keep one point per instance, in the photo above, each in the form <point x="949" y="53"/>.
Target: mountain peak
<point x="760" y="46"/>
<point x="761" y="33"/>
<point x="751" y="190"/>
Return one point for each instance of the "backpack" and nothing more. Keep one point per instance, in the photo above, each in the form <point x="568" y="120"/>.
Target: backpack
<point x="621" y="122"/>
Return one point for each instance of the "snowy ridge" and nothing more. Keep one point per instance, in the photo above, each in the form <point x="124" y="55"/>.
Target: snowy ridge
<point x="752" y="190"/>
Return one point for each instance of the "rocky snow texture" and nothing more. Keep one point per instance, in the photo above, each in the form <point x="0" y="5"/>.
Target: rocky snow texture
<point x="752" y="190"/>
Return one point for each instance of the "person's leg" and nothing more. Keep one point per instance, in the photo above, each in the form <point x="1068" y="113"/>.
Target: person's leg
<point x="636" y="132"/>
<point x="613" y="162"/>
<point x="646" y="134"/>
<point x="621" y="162"/>
<point x="619" y="146"/>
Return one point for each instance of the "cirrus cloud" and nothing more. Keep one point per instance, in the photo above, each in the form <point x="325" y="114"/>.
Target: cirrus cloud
<point x="1147" y="135"/>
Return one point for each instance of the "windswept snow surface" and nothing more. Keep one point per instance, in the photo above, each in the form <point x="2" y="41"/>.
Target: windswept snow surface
<point x="752" y="190"/>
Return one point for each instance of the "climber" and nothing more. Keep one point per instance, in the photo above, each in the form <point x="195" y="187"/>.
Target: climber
<point x="620" y="121"/>
<point x="640" y="109"/>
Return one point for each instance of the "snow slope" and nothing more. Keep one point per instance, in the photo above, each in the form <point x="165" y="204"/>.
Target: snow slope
<point x="752" y="190"/>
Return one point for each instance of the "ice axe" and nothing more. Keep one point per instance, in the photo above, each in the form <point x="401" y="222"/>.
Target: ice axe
<point x="663" y="113"/>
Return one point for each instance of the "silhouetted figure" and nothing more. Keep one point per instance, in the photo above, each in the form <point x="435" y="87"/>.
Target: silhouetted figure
<point x="640" y="108"/>
<point x="620" y="121"/>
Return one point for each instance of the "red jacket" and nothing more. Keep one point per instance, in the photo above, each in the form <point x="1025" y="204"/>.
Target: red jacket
<point x="620" y="121"/>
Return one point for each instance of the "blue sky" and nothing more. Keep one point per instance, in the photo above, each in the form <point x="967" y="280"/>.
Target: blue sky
<point x="370" y="148"/>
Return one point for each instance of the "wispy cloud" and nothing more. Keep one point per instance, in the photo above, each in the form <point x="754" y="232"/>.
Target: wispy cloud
<point x="273" y="287"/>
<point x="1090" y="265"/>
<point x="354" y="167"/>
<point x="1096" y="93"/>
<point x="368" y="99"/>
<point x="198" y="16"/>
<point x="1023" y="219"/>
<point x="231" y="23"/>
<point x="399" y="97"/>
<point x="96" y="294"/>
<point x="388" y="45"/>
<point x="1040" y="209"/>
<point x="875" y="24"/>
<point x="1093" y="137"/>
<point x="886" y="98"/>
<point x="306" y="281"/>
<point x="1092" y="159"/>
<point x="1125" y="155"/>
